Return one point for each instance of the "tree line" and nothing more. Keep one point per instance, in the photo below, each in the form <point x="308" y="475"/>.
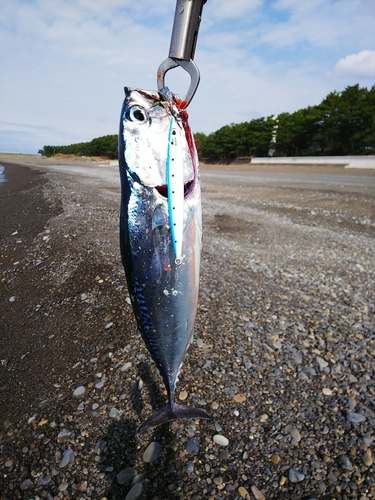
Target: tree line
<point x="342" y="124"/>
<point x="101" y="146"/>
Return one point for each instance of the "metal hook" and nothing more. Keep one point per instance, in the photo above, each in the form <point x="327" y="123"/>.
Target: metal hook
<point x="188" y="66"/>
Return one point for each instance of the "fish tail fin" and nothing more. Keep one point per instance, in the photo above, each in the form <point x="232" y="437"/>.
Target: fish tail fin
<point x="169" y="413"/>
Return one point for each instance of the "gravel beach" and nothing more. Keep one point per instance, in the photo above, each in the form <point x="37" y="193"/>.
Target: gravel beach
<point x="282" y="358"/>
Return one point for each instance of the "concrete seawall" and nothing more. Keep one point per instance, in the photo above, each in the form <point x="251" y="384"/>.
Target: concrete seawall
<point x="346" y="161"/>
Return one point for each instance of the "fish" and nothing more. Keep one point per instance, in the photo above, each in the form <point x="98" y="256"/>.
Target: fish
<point x="161" y="233"/>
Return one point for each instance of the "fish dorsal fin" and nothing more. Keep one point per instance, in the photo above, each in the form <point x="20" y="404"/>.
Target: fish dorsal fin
<point x="175" y="181"/>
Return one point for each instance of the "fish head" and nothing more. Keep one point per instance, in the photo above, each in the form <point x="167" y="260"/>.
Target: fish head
<point x="159" y="163"/>
<point x="146" y="122"/>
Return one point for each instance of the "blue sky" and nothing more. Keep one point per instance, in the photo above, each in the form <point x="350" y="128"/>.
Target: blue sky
<point x="64" y="63"/>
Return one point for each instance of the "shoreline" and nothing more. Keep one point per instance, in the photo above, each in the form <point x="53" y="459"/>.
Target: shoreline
<point x="18" y="177"/>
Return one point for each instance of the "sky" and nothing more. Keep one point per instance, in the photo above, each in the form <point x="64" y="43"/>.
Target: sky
<point x="64" y="63"/>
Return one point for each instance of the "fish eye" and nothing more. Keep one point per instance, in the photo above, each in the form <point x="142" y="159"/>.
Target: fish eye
<point x="137" y="114"/>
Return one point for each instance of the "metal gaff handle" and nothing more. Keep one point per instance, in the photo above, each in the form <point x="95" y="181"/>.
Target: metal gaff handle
<point x="187" y="19"/>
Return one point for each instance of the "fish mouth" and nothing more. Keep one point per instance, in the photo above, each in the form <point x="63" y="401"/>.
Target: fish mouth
<point x="163" y="189"/>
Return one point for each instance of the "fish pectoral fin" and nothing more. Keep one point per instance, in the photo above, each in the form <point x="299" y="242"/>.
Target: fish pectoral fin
<point x="167" y="414"/>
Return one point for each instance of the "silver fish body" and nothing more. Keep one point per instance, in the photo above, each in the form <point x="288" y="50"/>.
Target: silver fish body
<point x="161" y="232"/>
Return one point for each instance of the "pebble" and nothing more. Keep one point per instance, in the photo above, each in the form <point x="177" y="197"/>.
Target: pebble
<point x="135" y="491"/>
<point x="263" y="417"/>
<point x="257" y="493"/>
<point x="295" y="435"/>
<point x="220" y="440"/>
<point x="68" y="457"/>
<point x="192" y="446"/>
<point x="27" y="484"/>
<point x="126" y="475"/>
<point x="346" y="463"/>
<point x="9" y="463"/>
<point x="82" y="486"/>
<point x="277" y="344"/>
<point x="100" y="384"/>
<point x="243" y="492"/>
<point x="63" y="486"/>
<point x="189" y="466"/>
<point x="367" y="440"/>
<point x="321" y="362"/>
<point x="183" y="395"/>
<point x="152" y="452"/>
<point x="43" y="480"/>
<point x="295" y="476"/>
<point x="275" y="459"/>
<point x="218" y="427"/>
<point x="63" y="436"/>
<point x="352" y="403"/>
<point x="138" y="478"/>
<point x="126" y="366"/>
<point x="224" y="454"/>
<point x="239" y="398"/>
<point x="79" y="392"/>
<point x="326" y="391"/>
<point x="114" y="413"/>
<point x="355" y="418"/>
<point x="367" y="458"/>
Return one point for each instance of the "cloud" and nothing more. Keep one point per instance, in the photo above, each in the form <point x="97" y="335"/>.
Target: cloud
<point x="228" y="9"/>
<point x="65" y="66"/>
<point x="357" y="65"/>
<point x="321" y="23"/>
<point x="24" y="138"/>
<point x="229" y="93"/>
<point x="64" y="63"/>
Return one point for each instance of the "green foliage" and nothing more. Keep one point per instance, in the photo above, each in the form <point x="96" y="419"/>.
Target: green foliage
<point x="101" y="146"/>
<point x="343" y="124"/>
<point x="242" y="139"/>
